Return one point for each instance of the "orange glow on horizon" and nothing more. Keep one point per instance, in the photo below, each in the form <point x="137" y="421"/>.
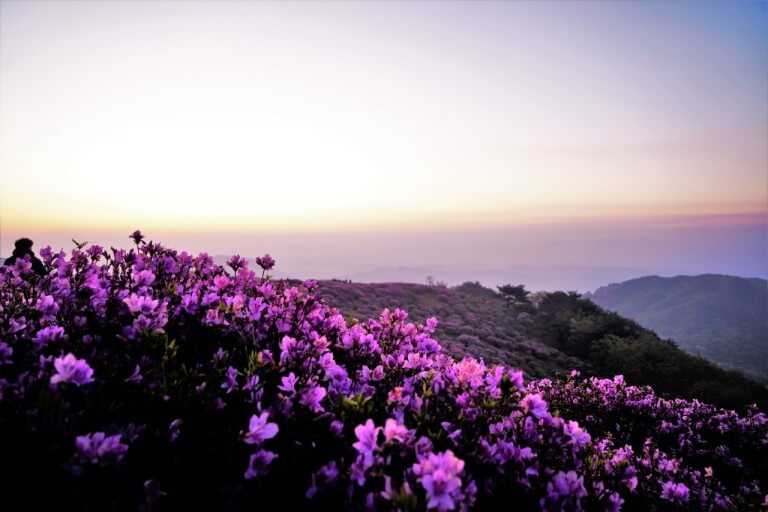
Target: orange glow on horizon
<point x="624" y="214"/>
<point x="281" y="117"/>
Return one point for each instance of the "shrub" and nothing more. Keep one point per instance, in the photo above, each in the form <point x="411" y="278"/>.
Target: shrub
<point x="154" y="379"/>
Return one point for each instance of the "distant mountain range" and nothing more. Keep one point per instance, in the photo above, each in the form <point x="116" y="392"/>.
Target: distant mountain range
<point x="721" y="318"/>
<point x="535" y="277"/>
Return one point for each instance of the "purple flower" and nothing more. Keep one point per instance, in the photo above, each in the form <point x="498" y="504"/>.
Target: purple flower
<point x="357" y="470"/>
<point x="312" y="398"/>
<point x="141" y="304"/>
<point x="235" y="262"/>
<point x="372" y="375"/>
<point x="564" y="492"/>
<point x="674" y="492"/>
<point x="255" y="308"/>
<point x="394" y="431"/>
<point x="189" y="303"/>
<point x="668" y="465"/>
<point x="266" y="262"/>
<point x="336" y="428"/>
<point x="93" y="282"/>
<point x="290" y="348"/>
<point x="251" y="382"/>
<point x="137" y="237"/>
<point x="614" y="503"/>
<point x="98" y="448"/>
<point x="94" y="250"/>
<point x="534" y="405"/>
<point x="231" y="381"/>
<point x="516" y="378"/>
<point x="469" y="371"/>
<point x="288" y="383"/>
<point x="221" y="283"/>
<point x="144" y="278"/>
<point x="19" y="324"/>
<point x="46" y="253"/>
<point x="167" y="265"/>
<point x="259" y="430"/>
<point x="578" y="436"/>
<point x="258" y="464"/>
<point x="367" y="441"/>
<point x="439" y="475"/>
<point x="149" y="323"/>
<point x="22" y="266"/>
<point x="400" y="315"/>
<point x="47" y="305"/>
<point x="52" y="333"/>
<point x="71" y="369"/>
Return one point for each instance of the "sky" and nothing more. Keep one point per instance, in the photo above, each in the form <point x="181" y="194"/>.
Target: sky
<point x="403" y="133"/>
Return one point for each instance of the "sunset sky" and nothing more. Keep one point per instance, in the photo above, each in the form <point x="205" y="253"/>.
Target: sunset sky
<point x="331" y="117"/>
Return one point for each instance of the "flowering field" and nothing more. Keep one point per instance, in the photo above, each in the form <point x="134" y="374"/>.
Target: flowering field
<point x="153" y="379"/>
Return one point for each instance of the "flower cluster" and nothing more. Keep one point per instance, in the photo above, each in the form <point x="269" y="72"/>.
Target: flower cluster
<point x="151" y="377"/>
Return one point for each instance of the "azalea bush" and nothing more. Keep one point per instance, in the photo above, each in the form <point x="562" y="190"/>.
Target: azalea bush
<point x="153" y="379"/>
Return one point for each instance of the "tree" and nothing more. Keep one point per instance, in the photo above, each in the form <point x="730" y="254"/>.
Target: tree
<point x="514" y="294"/>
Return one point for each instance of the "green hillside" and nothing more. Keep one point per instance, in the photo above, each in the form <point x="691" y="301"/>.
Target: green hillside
<point x="721" y="318"/>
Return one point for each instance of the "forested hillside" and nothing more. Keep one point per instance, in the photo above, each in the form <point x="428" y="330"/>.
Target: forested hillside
<point x="721" y="318"/>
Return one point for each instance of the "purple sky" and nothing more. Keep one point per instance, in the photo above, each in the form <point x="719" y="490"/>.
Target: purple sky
<point x="384" y="140"/>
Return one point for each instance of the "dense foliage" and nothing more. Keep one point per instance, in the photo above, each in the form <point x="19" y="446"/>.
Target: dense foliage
<point x="156" y="380"/>
<point x="549" y="333"/>
<point x="721" y="318"/>
<point x="610" y="343"/>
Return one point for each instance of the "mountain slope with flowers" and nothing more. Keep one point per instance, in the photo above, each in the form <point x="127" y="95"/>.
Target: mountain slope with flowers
<point x="547" y="334"/>
<point x="474" y="321"/>
<point x="153" y="379"/>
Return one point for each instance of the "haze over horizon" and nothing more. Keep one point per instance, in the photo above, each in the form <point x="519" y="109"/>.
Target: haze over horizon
<point x="547" y="256"/>
<point x="568" y="144"/>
